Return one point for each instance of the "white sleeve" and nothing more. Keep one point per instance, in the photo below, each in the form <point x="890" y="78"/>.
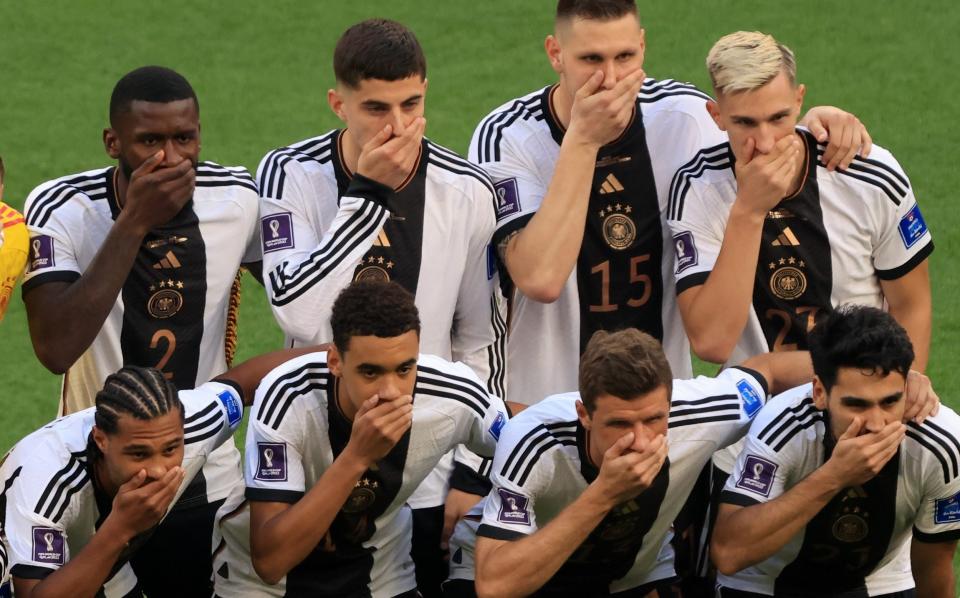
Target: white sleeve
<point x="717" y="410"/>
<point x="481" y="416"/>
<point x="518" y="185"/>
<point x="212" y="412"/>
<point x="252" y="252"/>
<point x="760" y="473"/>
<point x="54" y="236"/>
<point x="938" y="519"/>
<point x="904" y="240"/>
<point x="698" y="235"/>
<point x="306" y="267"/>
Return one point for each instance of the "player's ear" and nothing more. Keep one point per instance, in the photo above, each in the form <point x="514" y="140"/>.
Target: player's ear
<point x="801" y="92"/>
<point x="713" y="109"/>
<point x="111" y="143"/>
<point x="582" y="415"/>
<point x="334" y="361"/>
<point x="819" y="394"/>
<point x="100" y="439"/>
<point x="552" y="46"/>
<point x="335" y="101"/>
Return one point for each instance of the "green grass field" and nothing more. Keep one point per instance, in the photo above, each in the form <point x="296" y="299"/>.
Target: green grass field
<point x="261" y="70"/>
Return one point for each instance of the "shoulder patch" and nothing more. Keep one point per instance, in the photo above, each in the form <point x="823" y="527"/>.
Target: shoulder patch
<point x="508" y="198"/>
<point x="912" y="226"/>
<point x="48" y="546"/>
<point x="686" y="250"/>
<point x="271" y="462"/>
<point x="757" y="476"/>
<point x="276" y="230"/>
<point x="513" y="507"/>
<point x="41" y="253"/>
<point x="752" y="402"/>
<point x="233" y="407"/>
<point x="947" y="510"/>
<point x="497" y="425"/>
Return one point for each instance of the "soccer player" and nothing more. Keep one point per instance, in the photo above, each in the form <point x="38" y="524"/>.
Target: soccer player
<point x="832" y="486"/>
<point x="134" y="264"/>
<point x="376" y="200"/>
<point x="337" y="443"/>
<point x="586" y="485"/>
<point x="768" y="239"/>
<point x="13" y="251"/>
<point x="582" y="171"/>
<point x="84" y="493"/>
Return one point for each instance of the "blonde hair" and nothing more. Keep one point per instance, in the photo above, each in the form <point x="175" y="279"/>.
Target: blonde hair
<point x="748" y="60"/>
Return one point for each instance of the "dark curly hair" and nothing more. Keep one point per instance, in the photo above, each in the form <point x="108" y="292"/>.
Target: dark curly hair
<point x="372" y="308"/>
<point x="861" y="337"/>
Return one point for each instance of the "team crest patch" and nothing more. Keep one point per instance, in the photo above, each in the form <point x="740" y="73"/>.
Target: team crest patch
<point x="619" y="230"/>
<point x="48" y="546"/>
<point x="271" y="462"/>
<point x="912" y="227"/>
<point x="497" y="425"/>
<point x="233" y="407"/>
<point x="41" y="253"/>
<point x="757" y="476"/>
<point x="686" y="251"/>
<point x="947" y="510"/>
<point x="508" y="198"/>
<point x="276" y="230"/>
<point x="749" y="397"/>
<point x="513" y="507"/>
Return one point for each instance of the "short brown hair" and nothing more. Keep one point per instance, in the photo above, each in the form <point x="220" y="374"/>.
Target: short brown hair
<point x="598" y="10"/>
<point x="626" y="364"/>
<point x="377" y="49"/>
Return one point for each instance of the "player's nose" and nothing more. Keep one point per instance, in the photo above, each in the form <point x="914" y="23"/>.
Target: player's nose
<point x="609" y="74"/>
<point x="389" y="388"/>
<point x="171" y="154"/>
<point x="765" y="140"/>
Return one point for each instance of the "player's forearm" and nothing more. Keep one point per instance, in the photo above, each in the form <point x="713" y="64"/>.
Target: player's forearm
<point x="63" y="324"/>
<point x="542" y="256"/>
<point x="911" y="306"/>
<point x="746" y="536"/>
<point x="281" y="543"/>
<point x="935" y="584"/>
<point x="782" y="370"/>
<point x="715" y="317"/>
<point x="521" y="567"/>
<point x="932" y="565"/>
<point x="85" y="573"/>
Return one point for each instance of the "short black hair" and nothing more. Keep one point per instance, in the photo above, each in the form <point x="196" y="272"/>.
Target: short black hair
<point x="372" y="308"/>
<point x="377" y="49"/>
<point x="150" y="84"/>
<point x="598" y="10"/>
<point x="861" y="337"/>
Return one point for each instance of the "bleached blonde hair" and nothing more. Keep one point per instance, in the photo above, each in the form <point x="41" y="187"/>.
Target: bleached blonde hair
<point x="748" y="60"/>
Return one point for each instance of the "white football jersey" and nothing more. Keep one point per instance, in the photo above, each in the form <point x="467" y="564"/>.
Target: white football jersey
<point x="624" y="274"/>
<point x="53" y="506"/>
<point x="859" y="542"/>
<point x="172" y="310"/>
<point x="541" y="466"/>
<point x="296" y="431"/>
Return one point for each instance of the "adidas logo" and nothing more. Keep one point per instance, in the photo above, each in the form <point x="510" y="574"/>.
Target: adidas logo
<point x="382" y="240"/>
<point x="786" y="239"/>
<point x="168" y="262"/>
<point x="610" y="185"/>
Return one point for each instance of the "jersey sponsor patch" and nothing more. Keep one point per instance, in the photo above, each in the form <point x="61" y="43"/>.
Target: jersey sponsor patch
<point x="749" y="397"/>
<point x="757" y="476"/>
<point x="686" y="250"/>
<point x="513" y="507"/>
<point x="912" y="227"/>
<point x="48" y="546"/>
<point x="276" y="230"/>
<point x="947" y="510"/>
<point x="41" y="253"/>
<point x="497" y="425"/>
<point x="271" y="462"/>
<point x="233" y="406"/>
<point x="508" y="198"/>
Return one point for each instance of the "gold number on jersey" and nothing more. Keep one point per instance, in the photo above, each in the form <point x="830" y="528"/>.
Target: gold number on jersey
<point x="636" y="277"/>
<point x="787" y="322"/>
<point x="171" y="338"/>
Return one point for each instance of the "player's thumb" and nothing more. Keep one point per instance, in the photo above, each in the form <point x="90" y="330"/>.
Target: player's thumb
<point x="133" y="483"/>
<point x="853" y="430"/>
<point x="749" y="147"/>
<point x="591" y="86"/>
<point x="368" y="405"/>
<point x="818" y="130"/>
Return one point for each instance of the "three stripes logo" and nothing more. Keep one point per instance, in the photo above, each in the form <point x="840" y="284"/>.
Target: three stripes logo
<point x="382" y="240"/>
<point x="167" y="262"/>
<point x="786" y="239"/>
<point x="610" y="185"/>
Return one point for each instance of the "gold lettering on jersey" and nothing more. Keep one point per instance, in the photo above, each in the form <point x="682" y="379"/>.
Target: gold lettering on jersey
<point x="382" y="240"/>
<point x="168" y="262"/>
<point x="788" y="282"/>
<point x="610" y="160"/>
<point x="377" y="269"/>
<point x="611" y="184"/>
<point x="173" y="240"/>
<point x="779" y="214"/>
<point x="786" y="239"/>
<point x="619" y="230"/>
<point x="362" y="497"/>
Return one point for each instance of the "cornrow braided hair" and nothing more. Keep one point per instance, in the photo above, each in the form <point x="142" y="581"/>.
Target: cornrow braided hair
<point x="143" y="393"/>
<point x="233" y="314"/>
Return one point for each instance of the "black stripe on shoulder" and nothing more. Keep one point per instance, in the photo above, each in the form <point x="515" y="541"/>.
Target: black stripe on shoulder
<point x="286" y="388"/>
<point x="944" y="446"/>
<point x="533" y="445"/>
<point x="205" y="427"/>
<point x="654" y="90"/>
<point x="492" y="127"/>
<point x="211" y="174"/>
<point x="92" y="185"/>
<point x="873" y="172"/>
<point x="789" y="423"/>
<point x="272" y="175"/>
<point x="449" y="161"/>
<point x="715" y="408"/>
<point x="715" y="157"/>
<point x="56" y="496"/>
<point x="443" y="384"/>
